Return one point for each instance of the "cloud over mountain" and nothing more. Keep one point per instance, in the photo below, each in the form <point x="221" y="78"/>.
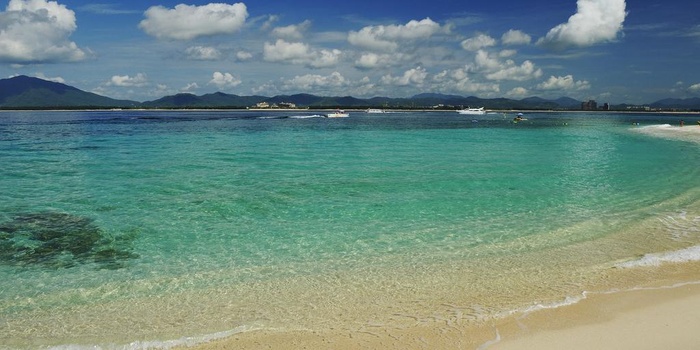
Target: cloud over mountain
<point x="186" y="22"/>
<point x="37" y="31"/>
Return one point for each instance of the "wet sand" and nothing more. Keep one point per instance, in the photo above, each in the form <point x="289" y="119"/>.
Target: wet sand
<point x="662" y="318"/>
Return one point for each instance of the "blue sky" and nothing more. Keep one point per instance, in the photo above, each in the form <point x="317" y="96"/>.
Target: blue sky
<point x="607" y="50"/>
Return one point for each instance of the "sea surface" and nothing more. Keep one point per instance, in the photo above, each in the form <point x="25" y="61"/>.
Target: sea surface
<point x="150" y="229"/>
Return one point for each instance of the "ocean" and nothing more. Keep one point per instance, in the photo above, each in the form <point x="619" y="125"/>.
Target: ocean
<point x="151" y="229"/>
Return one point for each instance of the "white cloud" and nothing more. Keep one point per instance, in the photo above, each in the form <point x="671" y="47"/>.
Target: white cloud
<point x="138" y="80"/>
<point x="37" y="31"/>
<point x="415" y="76"/>
<point x="190" y="87"/>
<point x="595" y="21"/>
<point x="388" y="38"/>
<point x="494" y="69"/>
<point x="312" y="82"/>
<point x="371" y="60"/>
<point x="203" y="53"/>
<point x="325" y="58"/>
<point x="564" y="83"/>
<point x="292" y="32"/>
<point x="478" y="42"/>
<point x="694" y="88"/>
<point x="243" y="55"/>
<point x="300" y="53"/>
<point x="460" y="80"/>
<point x="186" y="22"/>
<point x="507" y="53"/>
<point x="515" y="37"/>
<point x="223" y="80"/>
<point x="518" y="92"/>
<point x="54" y="79"/>
<point x="282" y="51"/>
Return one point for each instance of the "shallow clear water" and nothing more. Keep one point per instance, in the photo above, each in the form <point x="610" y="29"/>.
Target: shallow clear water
<point x="209" y="221"/>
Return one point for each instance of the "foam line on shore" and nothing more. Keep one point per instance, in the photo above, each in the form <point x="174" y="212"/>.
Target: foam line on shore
<point x="657" y="259"/>
<point x="159" y="344"/>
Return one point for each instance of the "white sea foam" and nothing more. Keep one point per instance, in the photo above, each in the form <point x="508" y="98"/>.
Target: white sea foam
<point x="157" y="344"/>
<point x="570" y="300"/>
<point x="657" y="259"/>
<point x="686" y="133"/>
<point x="306" y="116"/>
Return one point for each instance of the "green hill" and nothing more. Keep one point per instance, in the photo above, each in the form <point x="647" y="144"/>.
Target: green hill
<point x="29" y="93"/>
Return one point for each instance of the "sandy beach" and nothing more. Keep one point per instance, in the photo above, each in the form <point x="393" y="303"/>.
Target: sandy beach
<point x="651" y="318"/>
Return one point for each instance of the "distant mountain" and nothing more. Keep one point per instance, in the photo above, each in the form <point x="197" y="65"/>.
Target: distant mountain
<point x="26" y="92"/>
<point x="686" y="103"/>
<point x="35" y="93"/>
<point x="215" y="100"/>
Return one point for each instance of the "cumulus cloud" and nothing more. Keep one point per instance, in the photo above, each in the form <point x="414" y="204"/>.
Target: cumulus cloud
<point x="515" y="37"/>
<point x="564" y="83"/>
<point x="460" y="80"/>
<point x="518" y="92"/>
<point x="388" y="38"/>
<point x="186" y="22"/>
<point x="223" y="80"/>
<point x="54" y="79"/>
<point x="312" y="82"/>
<point x="138" y="80"/>
<point x="37" y="31"/>
<point x="372" y="60"/>
<point x="300" y="53"/>
<point x="190" y="87"/>
<point x="595" y="21"/>
<point x="292" y="32"/>
<point x="243" y="55"/>
<point x="414" y="76"/>
<point x="478" y="42"/>
<point x="203" y="53"/>
<point x="695" y="88"/>
<point x="494" y="69"/>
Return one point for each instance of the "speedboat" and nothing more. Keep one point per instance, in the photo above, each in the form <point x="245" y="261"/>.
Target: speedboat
<point x="472" y="111"/>
<point x="375" y="111"/>
<point x="339" y="113"/>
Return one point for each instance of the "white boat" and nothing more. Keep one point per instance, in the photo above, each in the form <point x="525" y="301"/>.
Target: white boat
<point x="339" y="113"/>
<point x="472" y="111"/>
<point x="375" y="111"/>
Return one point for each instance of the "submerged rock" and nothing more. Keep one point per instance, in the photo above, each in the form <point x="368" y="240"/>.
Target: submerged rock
<point x="61" y="240"/>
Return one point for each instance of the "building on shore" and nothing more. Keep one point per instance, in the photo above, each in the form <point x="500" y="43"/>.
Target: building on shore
<point x="591" y="105"/>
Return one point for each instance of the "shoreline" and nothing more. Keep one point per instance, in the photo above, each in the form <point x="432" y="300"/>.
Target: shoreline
<point x="638" y="318"/>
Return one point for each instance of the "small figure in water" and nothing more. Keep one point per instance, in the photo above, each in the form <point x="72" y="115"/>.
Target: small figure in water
<point x="681" y="122"/>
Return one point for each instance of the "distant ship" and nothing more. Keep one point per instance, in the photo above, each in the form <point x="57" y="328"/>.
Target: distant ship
<point x="339" y="113"/>
<point x="375" y="111"/>
<point x="472" y="111"/>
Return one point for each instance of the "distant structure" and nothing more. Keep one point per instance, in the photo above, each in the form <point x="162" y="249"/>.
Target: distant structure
<point x="591" y="105"/>
<point x="281" y="105"/>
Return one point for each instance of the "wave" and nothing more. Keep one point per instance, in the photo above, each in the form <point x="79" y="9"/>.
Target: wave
<point x="159" y="344"/>
<point x="657" y="259"/>
<point x="686" y="133"/>
<point x="306" y="116"/>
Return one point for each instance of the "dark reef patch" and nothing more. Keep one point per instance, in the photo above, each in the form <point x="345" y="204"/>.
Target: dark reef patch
<point x="60" y="240"/>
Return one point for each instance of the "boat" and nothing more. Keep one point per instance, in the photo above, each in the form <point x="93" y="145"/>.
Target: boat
<point x="339" y="113"/>
<point x="375" y="111"/>
<point x="472" y="111"/>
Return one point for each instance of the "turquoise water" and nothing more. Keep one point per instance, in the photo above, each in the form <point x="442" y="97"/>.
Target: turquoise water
<point x="194" y="223"/>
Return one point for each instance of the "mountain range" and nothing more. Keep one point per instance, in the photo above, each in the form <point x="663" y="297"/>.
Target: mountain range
<point x="22" y="92"/>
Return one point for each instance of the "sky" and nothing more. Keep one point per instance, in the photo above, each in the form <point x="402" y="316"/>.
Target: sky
<point x="605" y="50"/>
